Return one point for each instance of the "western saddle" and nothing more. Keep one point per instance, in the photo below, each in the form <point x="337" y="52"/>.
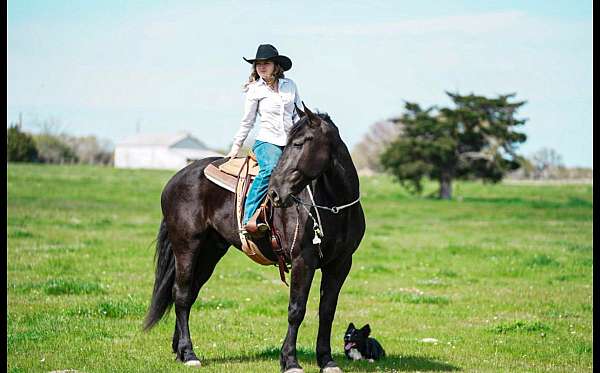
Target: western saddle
<point x="237" y="175"/>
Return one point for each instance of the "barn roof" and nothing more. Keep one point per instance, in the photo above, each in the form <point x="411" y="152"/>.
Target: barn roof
<point x="196" y="154"/>
<point x="159" y="139"/>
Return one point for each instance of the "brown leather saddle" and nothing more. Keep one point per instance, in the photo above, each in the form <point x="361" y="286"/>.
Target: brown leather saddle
<point x="225" y="172"/>
<point x="237" y="175"/>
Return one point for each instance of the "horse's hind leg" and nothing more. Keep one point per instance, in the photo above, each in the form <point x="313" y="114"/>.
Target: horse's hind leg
<point x="195" y="261"/>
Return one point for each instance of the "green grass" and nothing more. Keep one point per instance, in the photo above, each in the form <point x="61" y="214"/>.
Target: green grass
<point x="501" y="276"/>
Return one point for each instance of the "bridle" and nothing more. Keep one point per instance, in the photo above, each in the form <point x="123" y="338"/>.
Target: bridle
<point x="317" y="226"/>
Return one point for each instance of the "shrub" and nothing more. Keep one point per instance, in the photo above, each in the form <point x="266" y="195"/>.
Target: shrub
<point x="52" y="149"/>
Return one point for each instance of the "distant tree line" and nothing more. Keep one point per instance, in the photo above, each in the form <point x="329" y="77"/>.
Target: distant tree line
<point x="47" y="147"/>
<point x="547" y="164"/>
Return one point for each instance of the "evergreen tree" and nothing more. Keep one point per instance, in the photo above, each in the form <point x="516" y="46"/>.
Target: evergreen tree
<point x="20" y="146"/>
<point x="474" y="140"/>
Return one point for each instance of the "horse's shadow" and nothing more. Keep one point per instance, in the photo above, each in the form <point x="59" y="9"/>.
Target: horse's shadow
<point x="409" y="363"/>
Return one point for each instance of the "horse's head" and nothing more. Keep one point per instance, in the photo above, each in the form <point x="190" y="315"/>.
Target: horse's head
<point x="305" y="157"/>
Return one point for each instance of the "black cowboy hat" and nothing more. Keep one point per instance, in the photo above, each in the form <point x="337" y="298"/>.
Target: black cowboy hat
<point x="269" y="52"/>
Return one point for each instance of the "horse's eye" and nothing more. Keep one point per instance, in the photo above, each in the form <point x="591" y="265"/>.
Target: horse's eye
<point x="298" y="144"/>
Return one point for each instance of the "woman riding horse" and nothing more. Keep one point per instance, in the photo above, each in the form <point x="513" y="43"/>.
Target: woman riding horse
<point x="273" y="97"/>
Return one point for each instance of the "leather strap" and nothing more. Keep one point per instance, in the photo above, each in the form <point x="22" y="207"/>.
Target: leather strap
<point x="248" y="246"/>
<point x="275" y="241"/>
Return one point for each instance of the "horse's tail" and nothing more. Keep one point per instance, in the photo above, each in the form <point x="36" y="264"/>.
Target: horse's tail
<point x="162" y="296"/>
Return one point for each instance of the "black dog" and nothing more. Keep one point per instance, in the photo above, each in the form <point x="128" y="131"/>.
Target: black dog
<point x="358" y="345"/>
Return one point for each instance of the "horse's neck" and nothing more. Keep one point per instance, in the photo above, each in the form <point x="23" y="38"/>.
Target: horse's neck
<point x="340" y="181"/>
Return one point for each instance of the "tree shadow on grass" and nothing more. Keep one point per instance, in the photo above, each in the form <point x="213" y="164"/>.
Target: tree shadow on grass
<point x="397" y="363"/>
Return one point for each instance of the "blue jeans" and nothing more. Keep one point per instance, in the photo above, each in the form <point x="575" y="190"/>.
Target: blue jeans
<point x="267" y="155"/>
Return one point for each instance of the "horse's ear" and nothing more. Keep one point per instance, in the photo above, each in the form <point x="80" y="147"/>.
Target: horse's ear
<point x="313" y="119"/>
<point x="301" y="114"/>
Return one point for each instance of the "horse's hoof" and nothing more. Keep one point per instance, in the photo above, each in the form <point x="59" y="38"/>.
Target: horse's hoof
<point x="332" y="370"/>
<point x="294" y="370"/>
<point x="192" y="363"/>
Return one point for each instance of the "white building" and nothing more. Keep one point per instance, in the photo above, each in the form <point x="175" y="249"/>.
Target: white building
<point x="163" y="151"/>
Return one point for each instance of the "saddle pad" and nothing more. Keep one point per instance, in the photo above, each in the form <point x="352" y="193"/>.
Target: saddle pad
<point x="220" y="178"/>
<point x="232" y="166"/>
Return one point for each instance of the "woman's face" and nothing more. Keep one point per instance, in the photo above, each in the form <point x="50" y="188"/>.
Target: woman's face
<point x="265" y="69"/>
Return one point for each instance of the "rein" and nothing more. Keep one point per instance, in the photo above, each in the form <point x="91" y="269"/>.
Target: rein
<point x="334" y="209"/>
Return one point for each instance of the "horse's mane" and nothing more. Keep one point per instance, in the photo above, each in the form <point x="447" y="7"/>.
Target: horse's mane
<point x="304" y="120"/>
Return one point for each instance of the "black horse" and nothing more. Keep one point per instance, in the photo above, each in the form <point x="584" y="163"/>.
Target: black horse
<point x="199" y="225"/>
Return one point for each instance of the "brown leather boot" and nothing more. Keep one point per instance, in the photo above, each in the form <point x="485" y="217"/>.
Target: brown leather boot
<point x="255" y="227"/>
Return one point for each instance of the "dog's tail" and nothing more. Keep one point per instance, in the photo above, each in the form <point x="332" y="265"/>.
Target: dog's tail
<point x="162" y="296"/>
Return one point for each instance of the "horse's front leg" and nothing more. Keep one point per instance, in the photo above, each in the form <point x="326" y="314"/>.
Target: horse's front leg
<point x="301" y="279"/>
<point x="331" y="284"/>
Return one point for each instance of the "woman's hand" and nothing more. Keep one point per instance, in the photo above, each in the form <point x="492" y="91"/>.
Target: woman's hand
<point x="232" y="153"/>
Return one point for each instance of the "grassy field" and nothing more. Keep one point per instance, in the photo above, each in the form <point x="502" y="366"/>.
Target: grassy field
<point x="501" y="277"/>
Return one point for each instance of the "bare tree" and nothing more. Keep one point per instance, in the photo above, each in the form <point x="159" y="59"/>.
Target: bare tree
<point x="366" y="154"/>
<point x="89" y="149"/>
<point x="546" y="163"/>
<point x="50" y="126"/>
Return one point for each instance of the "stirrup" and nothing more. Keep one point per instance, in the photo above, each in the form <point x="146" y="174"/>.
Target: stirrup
<point x="257" y="232"/>
<point x="253" y="225"/>
<point x="262" y="227"/>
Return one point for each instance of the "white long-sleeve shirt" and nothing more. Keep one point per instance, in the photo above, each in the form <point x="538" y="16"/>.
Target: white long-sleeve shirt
<point x="276" y="110"/>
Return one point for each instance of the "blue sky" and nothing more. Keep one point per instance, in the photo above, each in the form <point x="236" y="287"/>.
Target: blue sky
<point x="107" y="67"/>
